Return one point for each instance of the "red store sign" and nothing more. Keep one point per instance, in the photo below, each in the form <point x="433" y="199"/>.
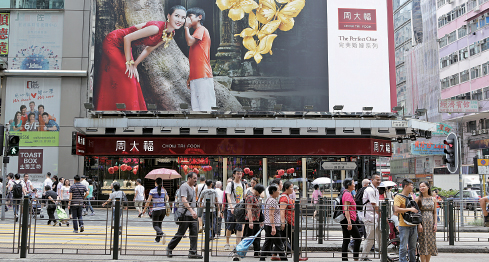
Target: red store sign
<point x="176" y="146"/>
<point x="357" y="19"/>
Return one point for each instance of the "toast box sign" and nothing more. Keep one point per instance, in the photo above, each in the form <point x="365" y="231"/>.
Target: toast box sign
<point x="30" y="161"/>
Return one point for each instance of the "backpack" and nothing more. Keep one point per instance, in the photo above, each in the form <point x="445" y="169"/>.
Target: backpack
<point x="338" y="214"/>
<point x="359" y="198"/>
<point x="240" y="212"/>
<point x="410" y="218"/>
<point x="17" y="190"/>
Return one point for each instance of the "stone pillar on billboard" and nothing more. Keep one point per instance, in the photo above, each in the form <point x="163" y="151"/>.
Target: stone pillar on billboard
<point x="229" y="57"/>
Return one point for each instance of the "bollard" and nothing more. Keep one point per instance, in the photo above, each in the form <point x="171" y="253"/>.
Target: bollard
<point x="25" y="228"/>
<point x="115" y="246"/>
<point x="321" y="221"/>
<point x="384" y="233"/>
<point x="295" y="245"/>
<point x="451" y="224"/>
<point x="207" y="229"/>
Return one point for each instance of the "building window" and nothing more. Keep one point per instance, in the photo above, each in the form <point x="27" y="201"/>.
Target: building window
<point x="471" y="126"/>
<point x="463" y="54"/>
<point x="486" y="94"/>
<point x="484" y="44"/>
<point x="464" y="76"/>
<point x="461" y="10"/>
<point x="472" y="26"/>
<point x="474" y="48"/>
<point x="445" y="83"/>
<point x="443" y="41"/>
<point x="471" y="4"/>
<point x="477" y="94"/>
<point x="452" y="36"/>
<point x="454" y="58"/>
<point x="454" y="80"/>
<point x="440" y="3"/>
<point x="475" y="72"/>
<point x="485" y="68"/>
<point x="462" y="31"/>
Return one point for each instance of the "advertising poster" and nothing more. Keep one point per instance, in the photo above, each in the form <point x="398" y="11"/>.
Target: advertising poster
<point x="36" y="162"/>
<point x="32" y="110"/>
<point x="359" y="47"/>
<point x="427" y="148"/>
<point x="240" y="65"/>
<point x="45" y="29"/>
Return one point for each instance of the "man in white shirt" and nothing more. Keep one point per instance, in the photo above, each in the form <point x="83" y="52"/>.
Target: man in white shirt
<point x="87" y="185"/>
<point x="235" y="191"/>
<point x="220" y="194"/>
<point x="17" y="199"/>
<point x="199" y="189"/>
<point x="28" y="184"/>
<point x="48" y="181"/>
<point x="371" y="216"/>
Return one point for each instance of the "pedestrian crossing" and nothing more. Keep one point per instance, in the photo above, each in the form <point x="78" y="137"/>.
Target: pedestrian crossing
<point x="96" y="237"/>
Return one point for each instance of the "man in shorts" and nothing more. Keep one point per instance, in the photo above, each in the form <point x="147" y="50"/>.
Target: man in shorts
<point x="234" y="193"/>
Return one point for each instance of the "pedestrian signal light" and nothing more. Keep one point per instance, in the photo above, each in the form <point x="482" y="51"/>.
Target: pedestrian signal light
<point x="13" y="145"/>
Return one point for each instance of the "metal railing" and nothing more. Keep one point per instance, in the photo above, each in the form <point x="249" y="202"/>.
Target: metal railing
<point x="320" y="237"/>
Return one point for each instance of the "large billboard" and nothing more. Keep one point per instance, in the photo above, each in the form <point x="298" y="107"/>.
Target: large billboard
<point x="36" y="40"/>
<point x="32" y="110"/>
<point x="360" y="54"/>
<point x="263" y="54"/>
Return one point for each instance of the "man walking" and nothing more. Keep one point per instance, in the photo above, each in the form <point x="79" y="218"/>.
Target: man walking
<point x="408" y="235"/>
<point x="188" y="218"/>
<point x="48" y="181"/>
<point x="219" y="195"/>
<point x="87" y="185"/>
<point x="209" y="193"/>
<point x="50" y="196"/>
<point x="371" y="217"/>
<point x="18" y="189"/>
<point x="198" y="190"/>
<point x="78" y="192"/>
<point x="234" y="193"/>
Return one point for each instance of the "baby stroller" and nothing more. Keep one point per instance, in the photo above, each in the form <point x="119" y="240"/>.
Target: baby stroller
<point x="36" y="205"/>
<point x="241" y="249"/>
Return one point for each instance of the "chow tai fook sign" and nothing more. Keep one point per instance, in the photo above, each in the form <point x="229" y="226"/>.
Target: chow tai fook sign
<point x="159" y="146"/>
<point x="30" y="161"/>
<point x="458" y="106"/>
<point x="357" y="19"/>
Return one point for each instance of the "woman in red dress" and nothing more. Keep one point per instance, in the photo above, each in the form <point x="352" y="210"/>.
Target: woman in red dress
<point x="118" y="79"/>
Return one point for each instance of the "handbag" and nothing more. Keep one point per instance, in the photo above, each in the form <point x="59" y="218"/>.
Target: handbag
<point x="338" y="214"/>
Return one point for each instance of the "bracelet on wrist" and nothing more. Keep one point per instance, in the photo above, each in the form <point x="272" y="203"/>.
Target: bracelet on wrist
<point x="130" y="62"/>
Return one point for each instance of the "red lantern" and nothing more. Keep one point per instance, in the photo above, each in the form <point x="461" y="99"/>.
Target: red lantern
<point x="209" y="168"/>
<point x="195" y="170"/>
<point x="246" y="170"/>
<point x="185" y="168"/>
<point x="111" y="170"/>
<point x="123" y="167"/>
<point x="128" y="168"/>
<point x="290" y="171"/>
<point x="251" y="173"/>
<point x="135" y="171"/>
<point x="116" y="168"/>
<point x="281" y="172"/>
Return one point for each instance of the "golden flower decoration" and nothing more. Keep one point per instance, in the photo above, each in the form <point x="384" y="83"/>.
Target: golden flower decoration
<point x="237" y="8"/>
<point x="270" y="15"/>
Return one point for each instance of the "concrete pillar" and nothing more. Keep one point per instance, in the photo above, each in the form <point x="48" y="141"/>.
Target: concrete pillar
<point x="224" y="172"/>
<point x="265" y="172"/>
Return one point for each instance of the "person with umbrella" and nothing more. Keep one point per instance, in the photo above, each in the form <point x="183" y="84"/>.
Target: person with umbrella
<point x="159" y="196"/>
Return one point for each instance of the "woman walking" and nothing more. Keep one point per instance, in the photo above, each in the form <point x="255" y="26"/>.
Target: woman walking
<point x="139" y="197"/>
<point x="90" y="197"/>
<point x="348" y="225"/>
<point x="315" y="199"/>
<point x="113" y="85"/>
<point x="272" y="226"/>
<point x="65" y="197"/>
<point x="159" y="196"/>
<point x="427" y="230"/>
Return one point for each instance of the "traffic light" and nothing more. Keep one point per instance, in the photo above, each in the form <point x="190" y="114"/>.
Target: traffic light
<point x="13" y="145"/>
<point x="451" y="153"/>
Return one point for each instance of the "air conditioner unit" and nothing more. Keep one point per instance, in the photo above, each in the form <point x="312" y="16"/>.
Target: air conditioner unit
<point x="484" y="131"/>
<point x="477" y="8"/>
<point x="474" y="132"/>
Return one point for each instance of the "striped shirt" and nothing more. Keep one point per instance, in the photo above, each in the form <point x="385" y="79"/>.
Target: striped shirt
<point x="272" y="203"/>
<point x="78" y="194"/>
<point x="158" y="200"/>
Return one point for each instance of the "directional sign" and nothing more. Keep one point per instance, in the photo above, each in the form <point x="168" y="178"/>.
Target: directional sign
<point x="483" y="166"/>
<point x="339" y="165"/>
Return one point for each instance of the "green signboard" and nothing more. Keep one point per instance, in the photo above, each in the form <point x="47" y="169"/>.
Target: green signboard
<point x="39" y="138"/>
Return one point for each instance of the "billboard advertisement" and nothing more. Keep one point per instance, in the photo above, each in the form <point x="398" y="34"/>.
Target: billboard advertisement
<point x="32" y="110"/>
<point x="251" y="54"/>
<point x="42" y="28"/>
<point x="359" y="47"/>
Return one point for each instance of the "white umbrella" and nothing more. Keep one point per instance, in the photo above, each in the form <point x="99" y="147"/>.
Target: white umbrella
<point x="387" y="184"/>
<point x="321" y="181"/>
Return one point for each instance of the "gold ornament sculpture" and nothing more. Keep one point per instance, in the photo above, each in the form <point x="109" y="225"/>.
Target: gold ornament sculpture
<point x="264" y="19"/>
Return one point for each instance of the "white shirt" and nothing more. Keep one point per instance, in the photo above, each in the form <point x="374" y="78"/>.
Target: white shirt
<point x="48" y="182"/>
<point x="139" y="192"/>
<point x="370" y="194"/>
<point x="395" y="219"/>
<point x="219" y="195"/>
<point x="65" y="192"/>
<point x="85" y="183"/>
<point x="11" y="184"/>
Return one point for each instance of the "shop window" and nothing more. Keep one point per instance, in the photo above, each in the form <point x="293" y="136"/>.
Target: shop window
<point x="37" y="4"/>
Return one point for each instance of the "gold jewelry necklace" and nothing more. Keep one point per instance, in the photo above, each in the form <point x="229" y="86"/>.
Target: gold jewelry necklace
<point x="166" y="38"/>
